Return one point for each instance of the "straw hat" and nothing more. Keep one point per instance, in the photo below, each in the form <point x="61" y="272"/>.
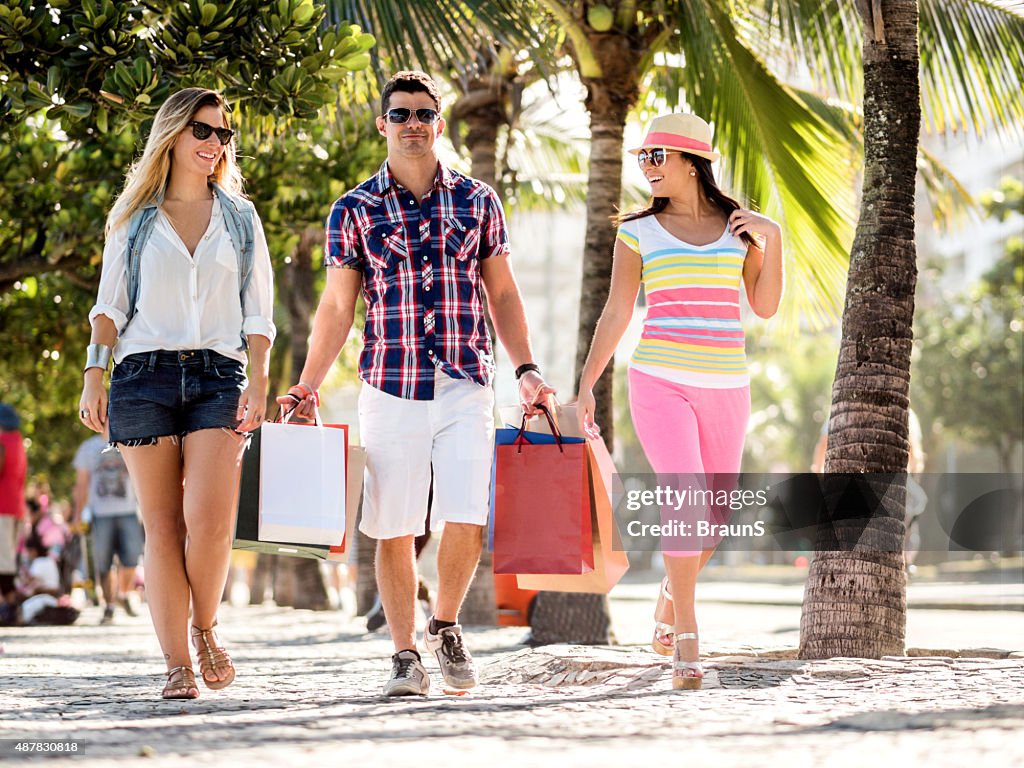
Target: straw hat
<point x="687" y="133"/>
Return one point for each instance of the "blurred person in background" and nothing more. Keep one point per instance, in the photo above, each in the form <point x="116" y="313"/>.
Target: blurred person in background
<point x="13" y="468"/>
<point x="39" y="588"/>
<point x="103" y="486"/>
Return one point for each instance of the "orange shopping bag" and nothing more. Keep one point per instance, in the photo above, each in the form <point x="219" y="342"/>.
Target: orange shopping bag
<point x="610" y="561"/>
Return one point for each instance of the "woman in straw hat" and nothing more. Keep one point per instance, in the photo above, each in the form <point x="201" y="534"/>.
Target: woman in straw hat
<point x="689" y="393"/>
<point x="186" y="295"/>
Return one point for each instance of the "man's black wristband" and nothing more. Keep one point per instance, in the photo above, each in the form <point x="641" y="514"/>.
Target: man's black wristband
<point x="526" y="367"/>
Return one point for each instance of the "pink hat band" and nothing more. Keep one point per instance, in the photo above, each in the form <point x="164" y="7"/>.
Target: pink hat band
<point x="675" y="140"/>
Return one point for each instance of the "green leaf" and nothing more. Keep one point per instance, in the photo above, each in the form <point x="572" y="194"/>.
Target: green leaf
<point x="53" y="78"/>
<point x="142" y="70"/>
<point x="303" y="13"/>
<point x="209" y="13"/>
<point x="357" y="62"/>
<point x="80" y="109"/>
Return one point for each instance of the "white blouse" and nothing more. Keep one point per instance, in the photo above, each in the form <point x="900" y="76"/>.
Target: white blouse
<point x="187" y="302"/>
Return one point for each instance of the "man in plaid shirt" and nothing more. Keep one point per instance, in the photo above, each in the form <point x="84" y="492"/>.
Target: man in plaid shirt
<point x="424" y="244"/>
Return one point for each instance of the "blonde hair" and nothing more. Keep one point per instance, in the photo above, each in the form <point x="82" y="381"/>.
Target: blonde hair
<point x="147" y="178"/>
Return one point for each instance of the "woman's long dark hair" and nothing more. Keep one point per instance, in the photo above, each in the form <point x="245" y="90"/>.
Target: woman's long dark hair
<point x="708" y="185"/>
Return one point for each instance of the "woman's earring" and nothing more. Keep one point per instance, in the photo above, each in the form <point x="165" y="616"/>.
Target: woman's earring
<point x="693" y="172"/>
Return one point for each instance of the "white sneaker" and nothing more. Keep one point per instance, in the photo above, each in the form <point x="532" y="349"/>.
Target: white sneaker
<point x="454" y="659"/>
<point x="408" y="676"/>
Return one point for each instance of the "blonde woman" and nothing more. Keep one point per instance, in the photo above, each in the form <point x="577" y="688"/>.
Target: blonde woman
<point x="185" y="302"/>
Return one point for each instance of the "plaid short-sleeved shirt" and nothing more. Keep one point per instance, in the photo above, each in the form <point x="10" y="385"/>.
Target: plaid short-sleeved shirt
<point x="420" y="261"/>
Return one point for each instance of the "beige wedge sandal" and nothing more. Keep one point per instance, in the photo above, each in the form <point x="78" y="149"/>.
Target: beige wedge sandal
<point x="686" y="675"/>
<point x="664" y="640"/>
<point x="212" y="657"/>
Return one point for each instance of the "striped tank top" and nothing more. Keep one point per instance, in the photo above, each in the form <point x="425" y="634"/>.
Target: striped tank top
<point x="692" y="333"/>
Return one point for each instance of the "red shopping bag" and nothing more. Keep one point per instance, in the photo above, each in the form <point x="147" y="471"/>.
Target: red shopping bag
<point x="542" y="512"/>
<point x="610" y="561"/>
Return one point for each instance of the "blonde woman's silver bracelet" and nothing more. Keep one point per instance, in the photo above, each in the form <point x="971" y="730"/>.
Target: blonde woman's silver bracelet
<point x="97" y="356"/>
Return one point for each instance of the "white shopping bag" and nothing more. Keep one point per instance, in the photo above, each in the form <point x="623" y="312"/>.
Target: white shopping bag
<point x="302" y="483"/>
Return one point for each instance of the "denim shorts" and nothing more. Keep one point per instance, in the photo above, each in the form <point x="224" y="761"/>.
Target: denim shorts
<point x="172" y="393"/>
<point x="116" y="534"/>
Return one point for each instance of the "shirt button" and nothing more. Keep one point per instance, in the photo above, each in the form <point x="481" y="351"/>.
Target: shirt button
<point x="427" y="288"/>
<point x="430" y="354"/>
<point x="412" y="202"/>
<point x="426" y="258"/>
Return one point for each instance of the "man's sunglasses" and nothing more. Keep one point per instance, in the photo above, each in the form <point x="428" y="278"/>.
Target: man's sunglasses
<point x="401" y="115"/>
<point x="656" y="157"/>
<point x="202" y="132"/>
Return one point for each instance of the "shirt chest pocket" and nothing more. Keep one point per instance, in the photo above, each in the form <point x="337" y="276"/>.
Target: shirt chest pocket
<point x="461" y="238"/>
<point x="227" y="257"/>
<point x="386" y="247"/>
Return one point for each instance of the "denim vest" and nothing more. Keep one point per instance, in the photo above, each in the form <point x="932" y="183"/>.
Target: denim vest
<point x="238" y="220"/>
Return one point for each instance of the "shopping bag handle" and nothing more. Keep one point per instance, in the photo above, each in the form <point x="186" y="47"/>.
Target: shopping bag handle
<point x="284" y="418"/>
<point x="521" y="438"/>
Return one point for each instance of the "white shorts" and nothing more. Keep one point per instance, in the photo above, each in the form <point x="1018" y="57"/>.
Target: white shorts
<point x="453" y="433"/>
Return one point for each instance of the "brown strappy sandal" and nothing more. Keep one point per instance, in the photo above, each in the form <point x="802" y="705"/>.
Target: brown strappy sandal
<point x="211" y="657"/>
<point x="181" y="684"/>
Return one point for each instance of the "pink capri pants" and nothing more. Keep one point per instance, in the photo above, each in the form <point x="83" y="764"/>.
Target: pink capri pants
<point x="689" y="430"/>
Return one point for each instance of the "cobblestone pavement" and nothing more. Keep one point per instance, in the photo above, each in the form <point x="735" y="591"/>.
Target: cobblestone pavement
<point x="308" y="691"/>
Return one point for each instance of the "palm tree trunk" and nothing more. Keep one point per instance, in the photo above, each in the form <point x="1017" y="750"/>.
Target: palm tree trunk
<point x="483" y="109"/>
<point x="609" y="99"/>
<point x="568" y="617"/>
<point x="366" y="576"/>
<point x="300" y="295"/>
<point x="855" y="600"/>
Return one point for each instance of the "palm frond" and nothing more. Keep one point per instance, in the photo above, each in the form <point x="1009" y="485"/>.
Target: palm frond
<point x="951" y="203"/>
<point x="547" y="149"/>
<point x="972" y="58"/>
<point x="442" y="36"/>
<point x="787" y="153"/>
<point x="566" y="27"/>
<point x="972" y="65"/>
<point x="818" y="39"/>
